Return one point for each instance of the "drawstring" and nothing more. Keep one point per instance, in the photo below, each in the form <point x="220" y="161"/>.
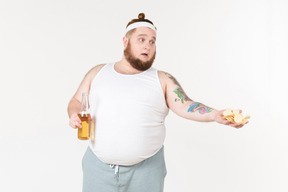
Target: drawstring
<point x="116" y="172"/>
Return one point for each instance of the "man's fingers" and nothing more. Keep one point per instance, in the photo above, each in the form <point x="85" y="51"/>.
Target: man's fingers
<point x="78" y="125"/>
<point x="72" y="125"/>
<point x="226" y="122"/>
<point x="237" y="125"/>
<point x="78" y="120"/>
<point x="75" y="123"/>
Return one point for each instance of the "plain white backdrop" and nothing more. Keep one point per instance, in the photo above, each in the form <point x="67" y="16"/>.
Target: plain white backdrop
<point x="224" y="53"/>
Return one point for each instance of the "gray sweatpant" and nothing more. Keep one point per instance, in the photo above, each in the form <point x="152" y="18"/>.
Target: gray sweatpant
<point x="146" y="176"/>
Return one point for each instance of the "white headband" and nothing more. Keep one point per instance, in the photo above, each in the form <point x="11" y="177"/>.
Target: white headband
<point x="140" y="24"/>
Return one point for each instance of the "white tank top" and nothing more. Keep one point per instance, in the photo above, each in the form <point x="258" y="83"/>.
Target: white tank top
<point x="130" y="111"/>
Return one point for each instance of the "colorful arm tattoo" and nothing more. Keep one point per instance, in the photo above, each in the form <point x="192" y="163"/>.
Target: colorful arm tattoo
<point x="178" y="90"/>
<point x="199" y="107"/>
<point x="195" y="106"/>
<point x="181" y="95"/>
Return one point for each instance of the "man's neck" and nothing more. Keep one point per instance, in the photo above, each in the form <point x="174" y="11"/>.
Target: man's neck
<point x="124" y="67"/>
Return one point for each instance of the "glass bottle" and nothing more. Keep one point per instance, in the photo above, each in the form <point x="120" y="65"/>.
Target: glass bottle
<point x="84" y="115"/>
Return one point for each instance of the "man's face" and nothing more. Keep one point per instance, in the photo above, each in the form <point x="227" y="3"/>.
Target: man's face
<point x="140" y="50"/>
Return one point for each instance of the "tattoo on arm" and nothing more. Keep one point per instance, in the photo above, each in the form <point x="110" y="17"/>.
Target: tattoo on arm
<point x="181" y="95"/>
<point x="178" y="90"/>
<point x="199" y="107"/>
<point x="173" y="79"/>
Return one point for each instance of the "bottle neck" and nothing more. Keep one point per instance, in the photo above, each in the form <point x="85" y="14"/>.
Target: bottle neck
<point x="84" y="104"/>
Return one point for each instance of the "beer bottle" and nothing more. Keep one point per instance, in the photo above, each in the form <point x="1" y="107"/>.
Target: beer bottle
<point x="84" y="115"/>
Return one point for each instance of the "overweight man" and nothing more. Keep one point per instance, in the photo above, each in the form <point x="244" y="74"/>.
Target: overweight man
<point x="129" y="101"/>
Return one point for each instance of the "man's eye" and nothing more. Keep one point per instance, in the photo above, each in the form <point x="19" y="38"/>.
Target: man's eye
<point x="152" y="42"/>
<point x="141" y="39"/>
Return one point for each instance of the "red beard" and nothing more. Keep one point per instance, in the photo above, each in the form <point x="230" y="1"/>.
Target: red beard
<point x="137" y="63"/>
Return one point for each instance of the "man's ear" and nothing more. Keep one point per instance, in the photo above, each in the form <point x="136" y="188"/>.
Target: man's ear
<point x="125" y="41"/>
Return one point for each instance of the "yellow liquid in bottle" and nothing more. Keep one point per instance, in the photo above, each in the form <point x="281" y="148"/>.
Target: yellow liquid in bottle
<point x="84" y="132"/>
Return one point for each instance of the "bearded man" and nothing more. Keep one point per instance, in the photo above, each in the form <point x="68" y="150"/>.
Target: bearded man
<point x="129" y="101"/>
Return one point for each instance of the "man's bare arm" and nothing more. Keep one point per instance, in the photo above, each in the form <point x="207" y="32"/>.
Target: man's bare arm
<point x="182" y="105"/>
<point x="75" y="102"/>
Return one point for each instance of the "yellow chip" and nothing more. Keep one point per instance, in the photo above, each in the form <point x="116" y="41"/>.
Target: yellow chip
<point x="244" y="121"/>
<point x="237" y="111"/>
<point x="228" y="112"/>
<point x="238" y="118"/>
<point x="231" y="119"/>
<point x="247" y="117"/>
<point x="235" y="116"/>
<point x="230" y="116"/>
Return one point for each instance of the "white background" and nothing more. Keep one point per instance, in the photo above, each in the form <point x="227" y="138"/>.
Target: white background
<point x="224" y="54"/>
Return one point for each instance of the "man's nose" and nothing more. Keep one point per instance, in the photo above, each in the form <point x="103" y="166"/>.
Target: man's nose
<point x="147" y="46"/>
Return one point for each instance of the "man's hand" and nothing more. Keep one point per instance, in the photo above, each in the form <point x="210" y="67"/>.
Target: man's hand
<point x="75" y="121"/>
<point x="219" y="119"/>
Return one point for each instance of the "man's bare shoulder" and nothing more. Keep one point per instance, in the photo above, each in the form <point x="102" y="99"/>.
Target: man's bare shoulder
<point x="94" y="71"/>
<point x="86" y="82"/>
<point x="164" y="76"/>
<point x="167" y="79"/>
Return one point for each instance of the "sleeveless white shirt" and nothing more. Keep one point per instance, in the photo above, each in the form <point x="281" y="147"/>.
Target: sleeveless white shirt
<point x="130" y="111"/>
